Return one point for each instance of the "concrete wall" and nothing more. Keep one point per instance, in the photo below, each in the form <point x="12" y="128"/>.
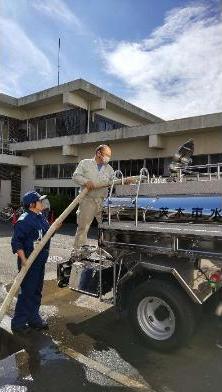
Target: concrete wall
<point x="209" y="142"/>
<point x="59" y="104"/>
<point x="205" y="143"/>
<point x="50" y="156"/>
<point x="5" y="193"/>
<point x="121" y="117"/>
<point x="11" y="112"/>
<point x="27" y="178"/>
<point x="13" y="174"/>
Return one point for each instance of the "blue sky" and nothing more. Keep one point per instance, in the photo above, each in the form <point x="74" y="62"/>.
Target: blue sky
<point x="160" y="55"/>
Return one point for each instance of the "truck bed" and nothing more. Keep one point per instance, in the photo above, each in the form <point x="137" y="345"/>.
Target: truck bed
<point x="204" y="240"/>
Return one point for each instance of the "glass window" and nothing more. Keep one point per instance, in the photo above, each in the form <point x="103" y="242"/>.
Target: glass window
<point x="66" y="170"/>
<point x="51" y="127"/>
<point x="22" y="131"/>
<point x="114" y="165"/>
<point x="155" y="166"/>
<point x="216" y="158"/>
<point x="33" y="129"/>
<point x="4" y="129"/>
<point x="50" y="171"/>
<point x="42" y="129"/>
<point x="38" y="171"/>
<point x="54" y="171"/>
<point x="101" y="125"/>
<point x="60" y="126"/>
<point x="125" y="167"/>
<point x="72" y="121"/>
<point x="70" y="192"/>
<point x="109" y="126"/>
<point x="136" y="166"/>
<point x="199" y="160"/>
<point x="46" y="169"/>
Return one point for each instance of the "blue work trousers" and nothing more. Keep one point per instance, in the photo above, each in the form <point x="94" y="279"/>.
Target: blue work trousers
<point x="29" y="297"/>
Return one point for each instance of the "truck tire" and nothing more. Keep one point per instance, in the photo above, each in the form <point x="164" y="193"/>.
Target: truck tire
<point x="161" y="314"/>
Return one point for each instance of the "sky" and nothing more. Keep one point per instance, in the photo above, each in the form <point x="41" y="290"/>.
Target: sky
<point x="164" y="56"/>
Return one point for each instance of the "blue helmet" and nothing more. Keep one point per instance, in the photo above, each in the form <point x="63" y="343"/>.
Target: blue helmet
<point x="32" y="197"/>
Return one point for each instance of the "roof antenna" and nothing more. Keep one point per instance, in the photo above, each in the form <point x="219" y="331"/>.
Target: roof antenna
<point x="58" y="61"/>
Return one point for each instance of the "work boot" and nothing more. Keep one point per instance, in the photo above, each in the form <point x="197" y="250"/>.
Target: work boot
<point x="43" y="325"/>
<point x="21" y="330"/>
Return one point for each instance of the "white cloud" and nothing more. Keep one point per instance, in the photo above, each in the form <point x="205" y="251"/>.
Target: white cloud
<point x="58" y="9"/>
<point x="21" y="59"/>
<point x="177" y="70"/>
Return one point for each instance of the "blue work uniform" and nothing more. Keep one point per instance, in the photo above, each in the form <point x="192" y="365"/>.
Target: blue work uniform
<point x="29" y="229"/>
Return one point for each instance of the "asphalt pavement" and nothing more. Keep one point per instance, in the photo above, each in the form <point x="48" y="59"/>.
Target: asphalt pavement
<point x="95" y="330"/>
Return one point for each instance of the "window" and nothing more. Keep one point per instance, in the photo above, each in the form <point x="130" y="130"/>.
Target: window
<point x="199" y="160"/>
<point x="216" y="158"/>
<point x="42" y="129"/>
<point x="51" y="127"/>
<point x="33" y="129"/>
<point x="155" y="166"/>
<point x="50" y="171"/>
<point x="101" y="124"/>
<point x="46" y="169"/>
<point x="60" y="126"/>
<point x="131" y="167"/>
<point x="66" y="170"/>
<point x="125" y="167"/>
<point x="115" y="165"/>
<point x="136" y="166"/>
<point x="4" y="129"/>
<point x="22" y="131"/>
<point x="46" y="190"/>
<point x="71" y="193"/>
<point x="38" y="171"/>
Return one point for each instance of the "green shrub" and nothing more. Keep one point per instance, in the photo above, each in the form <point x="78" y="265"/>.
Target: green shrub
<point x="59" y="203"/>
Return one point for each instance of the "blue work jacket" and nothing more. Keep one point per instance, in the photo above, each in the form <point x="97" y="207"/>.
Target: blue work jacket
<point x="29" y="229"/>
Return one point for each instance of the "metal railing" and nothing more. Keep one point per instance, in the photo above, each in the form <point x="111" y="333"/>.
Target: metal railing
<point x="205" y="172"/>
<point x="5" y="147"/>
<point x="117" y="174"/>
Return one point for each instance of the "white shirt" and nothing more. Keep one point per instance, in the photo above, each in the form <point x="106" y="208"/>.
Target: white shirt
<point x="87" y="170"/>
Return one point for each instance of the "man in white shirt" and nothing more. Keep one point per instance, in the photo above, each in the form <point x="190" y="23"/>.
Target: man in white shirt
<point x="91" y="173"/>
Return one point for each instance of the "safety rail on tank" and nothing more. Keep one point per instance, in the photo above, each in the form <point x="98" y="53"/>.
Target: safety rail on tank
<point x="207" y="172"/>
<point x="144" y="174"/>
<point x="116" y="176"/>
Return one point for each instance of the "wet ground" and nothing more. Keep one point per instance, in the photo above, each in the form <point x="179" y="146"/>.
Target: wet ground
<point x="37" y="363"/>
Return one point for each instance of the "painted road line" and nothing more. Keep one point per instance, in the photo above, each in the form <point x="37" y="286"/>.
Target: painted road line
<point x="118" y="377"/>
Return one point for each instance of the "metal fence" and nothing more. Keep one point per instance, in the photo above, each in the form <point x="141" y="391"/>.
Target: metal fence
<point x="5" y="146"/>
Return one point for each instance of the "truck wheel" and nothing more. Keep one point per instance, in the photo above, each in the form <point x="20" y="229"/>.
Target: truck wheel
<point x="161" y="314"/>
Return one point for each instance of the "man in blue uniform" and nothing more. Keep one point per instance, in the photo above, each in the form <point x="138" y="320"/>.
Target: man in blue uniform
<point x="29" y="229"/>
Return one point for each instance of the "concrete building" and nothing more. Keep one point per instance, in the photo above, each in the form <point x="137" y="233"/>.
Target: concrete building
<point x="44" y="135"/>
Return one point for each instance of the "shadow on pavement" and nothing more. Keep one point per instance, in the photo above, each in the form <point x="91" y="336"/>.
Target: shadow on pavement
<point x="41" y="367"/>
<point x="195" y="367"/>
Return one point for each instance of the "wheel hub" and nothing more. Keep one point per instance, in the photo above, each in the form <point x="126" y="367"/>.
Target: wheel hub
<point x="156" y="318"/>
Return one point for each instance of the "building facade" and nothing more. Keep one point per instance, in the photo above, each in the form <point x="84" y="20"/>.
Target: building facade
<point x="43" y="136"/>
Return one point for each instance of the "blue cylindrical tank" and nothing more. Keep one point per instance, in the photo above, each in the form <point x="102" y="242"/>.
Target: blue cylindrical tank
<point x="208" y="204"/>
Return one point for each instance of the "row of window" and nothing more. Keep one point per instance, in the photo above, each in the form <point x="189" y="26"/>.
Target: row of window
<point x="130" y="167"/>
<point x="62" y="171"/>
<point x="68" y="122"/>
<point x="70" y="192"/>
